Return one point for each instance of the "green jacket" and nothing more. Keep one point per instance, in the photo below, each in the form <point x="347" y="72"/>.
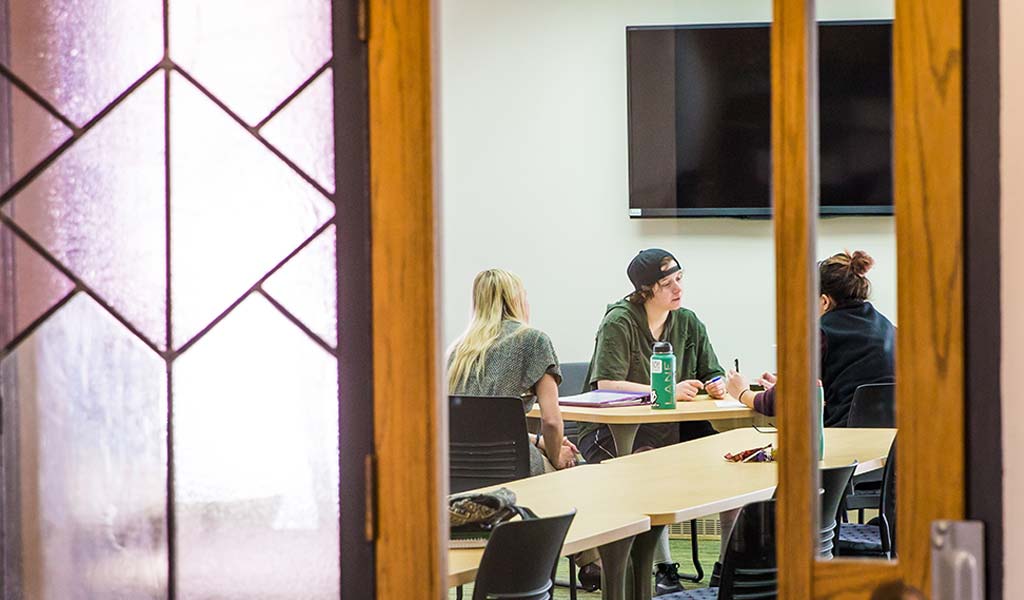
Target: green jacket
<point x="623" y="348"/>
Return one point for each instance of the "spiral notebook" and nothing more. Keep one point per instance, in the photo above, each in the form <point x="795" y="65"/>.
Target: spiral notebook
<point x="606" y="399"/>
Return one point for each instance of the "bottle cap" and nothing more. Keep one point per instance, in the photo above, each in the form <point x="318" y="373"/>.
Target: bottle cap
<point x="662" y="348"/>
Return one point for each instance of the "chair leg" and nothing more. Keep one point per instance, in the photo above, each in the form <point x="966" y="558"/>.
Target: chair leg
<point x="695" y="557"/>
<point x="572" y="579"/>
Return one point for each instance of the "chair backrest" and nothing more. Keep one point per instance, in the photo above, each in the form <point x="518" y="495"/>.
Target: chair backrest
<point x="520" y="559"/>
<point x="749" y="568"/>
<point x="487" y="441"/>
<point x="834" y="481"/>
<point x="887" y="504"/>
<point x="574" y="377"/>
<point x="873" y="405"/>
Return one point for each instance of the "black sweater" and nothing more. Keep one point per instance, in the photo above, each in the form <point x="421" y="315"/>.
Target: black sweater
<point x="858" y="347"/>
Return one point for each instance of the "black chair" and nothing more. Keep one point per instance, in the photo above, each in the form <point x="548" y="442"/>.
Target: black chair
<point x="487" y="442"/>
<point x="875" y="539"/>
<point x="873" y="405"/>
<point x="834" y="482"/>
<point x="574" y="377"/>
<point x="520" y="559"/>
<point x="749" y="569"/>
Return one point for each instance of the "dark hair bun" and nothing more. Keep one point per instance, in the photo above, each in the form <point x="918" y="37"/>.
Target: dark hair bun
<point x="861" y="263"/>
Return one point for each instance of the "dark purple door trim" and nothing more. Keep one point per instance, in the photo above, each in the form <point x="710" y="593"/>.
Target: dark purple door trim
<point x="355" y="308"/>
<point x="983" y="411"/>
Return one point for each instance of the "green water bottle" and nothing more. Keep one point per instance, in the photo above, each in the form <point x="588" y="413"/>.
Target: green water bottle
<point x="663" y="376"/>
<point x="821" y="421"/>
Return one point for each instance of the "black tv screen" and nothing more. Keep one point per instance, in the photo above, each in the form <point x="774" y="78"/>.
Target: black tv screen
<point x="700" y="119"/>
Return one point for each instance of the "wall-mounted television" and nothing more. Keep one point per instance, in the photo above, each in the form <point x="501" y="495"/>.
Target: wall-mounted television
<point x="700" y="119"/>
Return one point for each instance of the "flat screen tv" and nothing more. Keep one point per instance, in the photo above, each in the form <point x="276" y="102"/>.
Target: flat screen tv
<point x="700" y="119"/>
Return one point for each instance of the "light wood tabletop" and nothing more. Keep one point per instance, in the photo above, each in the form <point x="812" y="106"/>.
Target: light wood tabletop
<point x="627" y="496"/>
<point x="625" y="421"/>
<point x="691" y="480"/>
<point x="599" y="518"/>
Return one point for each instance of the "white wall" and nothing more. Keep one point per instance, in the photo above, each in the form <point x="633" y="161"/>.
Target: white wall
<point x="1011" y="56"/>
<point x="534" y="174"/>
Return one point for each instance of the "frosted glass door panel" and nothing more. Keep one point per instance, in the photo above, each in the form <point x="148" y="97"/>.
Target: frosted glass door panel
<point x="89" y="508"/>
<point x="255" y="449"/>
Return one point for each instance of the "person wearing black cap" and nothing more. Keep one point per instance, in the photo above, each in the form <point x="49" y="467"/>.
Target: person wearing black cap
<point x="651" y="313"/>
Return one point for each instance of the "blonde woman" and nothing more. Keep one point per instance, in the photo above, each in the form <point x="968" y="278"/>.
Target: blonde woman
<point x="501" y="355"/>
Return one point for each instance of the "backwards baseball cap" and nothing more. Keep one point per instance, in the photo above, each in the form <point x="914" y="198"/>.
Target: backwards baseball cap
<point x="646" y="267"/>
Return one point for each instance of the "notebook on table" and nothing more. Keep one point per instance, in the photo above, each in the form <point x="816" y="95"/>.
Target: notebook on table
<point x="606" y="399"/>
<point x="461" y="541"/>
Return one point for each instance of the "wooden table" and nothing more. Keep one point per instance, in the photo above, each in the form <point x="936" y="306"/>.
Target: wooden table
<point x="624" y="422"/>
<point x="638" y="495"/>
<point x="600" y="523"/>
<point x="690" y="480"/>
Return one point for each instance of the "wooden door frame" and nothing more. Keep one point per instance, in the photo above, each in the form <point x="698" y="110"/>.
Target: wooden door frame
<point x="409" y="418"/>
<point x="409" y="427"/>
<point x="947" y="213"/>
<point x="928" y="159"/>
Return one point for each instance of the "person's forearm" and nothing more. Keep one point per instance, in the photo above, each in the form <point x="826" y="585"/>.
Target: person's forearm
<point x="552" y="433"/>
<point x="622" y="386"/>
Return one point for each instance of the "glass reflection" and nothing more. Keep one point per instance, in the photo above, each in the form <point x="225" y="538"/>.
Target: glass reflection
<point x="298" y="130"/>
<point x="251" y="55"/>
<point x="85" y="474"/>
<point x="307" y="286"/>
<point x="256" y="461"/>
<point x="81" y="55"/>
<point x="99" y="209"/>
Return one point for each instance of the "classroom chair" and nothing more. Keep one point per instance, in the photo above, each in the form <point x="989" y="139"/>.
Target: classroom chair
<point x="574" y="377"/>
<point x="487" y="442"/>
<point x="520" y="559"/>
<point x="879" y="539"/>
<point x="873" y="405"/>
<point x="834" y="481"/>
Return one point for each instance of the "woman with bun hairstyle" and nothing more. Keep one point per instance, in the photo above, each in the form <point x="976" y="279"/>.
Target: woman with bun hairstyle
<point x="856" y="340"/>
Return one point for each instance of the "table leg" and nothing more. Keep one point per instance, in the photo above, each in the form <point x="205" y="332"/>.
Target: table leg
<point x="623" y="436"/>
<point x="614" y="561"/>
<point x="643" y="561"/>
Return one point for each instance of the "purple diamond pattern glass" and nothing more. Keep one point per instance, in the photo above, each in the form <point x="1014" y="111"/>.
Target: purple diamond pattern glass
<point x="38" y="286"/>
<point x="80" y="55"/>
<point x="200" y="255"/>
<point x="99" y="209"/>
<point x="35" y="133"/>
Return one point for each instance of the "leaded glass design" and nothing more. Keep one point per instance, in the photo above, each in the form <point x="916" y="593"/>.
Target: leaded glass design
<point x="168" y="300"/>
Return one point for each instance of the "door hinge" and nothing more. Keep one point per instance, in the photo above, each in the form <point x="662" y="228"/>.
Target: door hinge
<point x="370" y="481"/>
<point x="958" y="560"/>
<point x="363" y="19"/>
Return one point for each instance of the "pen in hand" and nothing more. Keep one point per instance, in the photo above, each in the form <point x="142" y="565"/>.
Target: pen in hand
<point x="736" y="363"/>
